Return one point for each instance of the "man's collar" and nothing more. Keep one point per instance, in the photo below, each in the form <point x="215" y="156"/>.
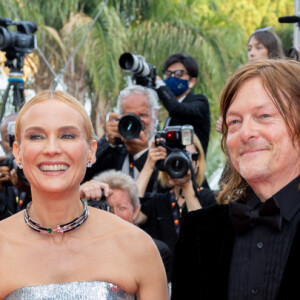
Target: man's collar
<point x="288" y="199"/>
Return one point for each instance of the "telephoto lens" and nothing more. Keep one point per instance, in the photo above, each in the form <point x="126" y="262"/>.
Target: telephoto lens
<point x="134" y="63"/>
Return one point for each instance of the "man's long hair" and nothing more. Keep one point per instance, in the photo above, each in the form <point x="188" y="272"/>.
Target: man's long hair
<point x="281" y="81"/>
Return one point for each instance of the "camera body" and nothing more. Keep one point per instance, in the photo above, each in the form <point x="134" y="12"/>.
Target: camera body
<point x="130" y="126"/>
<point x="100" y="204"/>
<point x="143" y="73"/>
<point x="17" y="43"/>
<point x="176" y="138"/>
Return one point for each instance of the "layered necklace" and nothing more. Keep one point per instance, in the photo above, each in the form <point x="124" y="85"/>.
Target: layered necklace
<point x="59" y="228"/>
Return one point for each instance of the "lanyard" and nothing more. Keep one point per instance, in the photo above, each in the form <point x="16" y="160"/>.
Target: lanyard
<point x="176" y="211"/>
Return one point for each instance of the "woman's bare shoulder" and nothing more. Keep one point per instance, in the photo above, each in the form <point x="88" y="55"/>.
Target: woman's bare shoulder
<point x="117" y="227"/>
<point x="12" y="223"/>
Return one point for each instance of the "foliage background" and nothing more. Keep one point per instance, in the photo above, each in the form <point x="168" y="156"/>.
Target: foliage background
<point x="214" y="32"/>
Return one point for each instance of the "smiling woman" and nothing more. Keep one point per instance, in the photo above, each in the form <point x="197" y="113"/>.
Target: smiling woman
<point x="67" y="247"/>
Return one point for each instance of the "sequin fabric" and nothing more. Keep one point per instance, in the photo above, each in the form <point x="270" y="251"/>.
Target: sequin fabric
<point x="91" y="290"/>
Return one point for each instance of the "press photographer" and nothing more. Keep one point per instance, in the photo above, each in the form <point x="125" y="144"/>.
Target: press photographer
<point x="135" y="117"/>
<point x="162" y="212"/>
<point x="180" y="76"/>
<point x="180" y="73"/>
<point x="14" y="187"/>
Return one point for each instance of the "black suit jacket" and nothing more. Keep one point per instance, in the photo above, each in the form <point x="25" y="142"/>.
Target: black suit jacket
<point x="108" y="158"/>
<point x="112" y="158"/>
<point x="203" y="255"/>
<point x="193" y="110"/>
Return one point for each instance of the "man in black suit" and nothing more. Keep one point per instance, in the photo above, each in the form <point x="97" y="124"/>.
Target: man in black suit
<point x="184" y="107"/>
<point x="130" y="155"/>
<point x="248" y="246"/>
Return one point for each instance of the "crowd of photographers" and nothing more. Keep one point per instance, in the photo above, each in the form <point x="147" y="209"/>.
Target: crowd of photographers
<point x="177" y="152"/>
<point x="167" y="165"/>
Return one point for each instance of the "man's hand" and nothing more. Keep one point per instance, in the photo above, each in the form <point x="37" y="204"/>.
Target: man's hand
<point x="92" y="190"/>
<point x="135" y="146"/>
<point x="155" y="154"/>
<point x="111" y="128"/>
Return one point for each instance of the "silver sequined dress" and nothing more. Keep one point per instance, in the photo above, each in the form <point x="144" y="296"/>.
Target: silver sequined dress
<point x="90" y="290"/>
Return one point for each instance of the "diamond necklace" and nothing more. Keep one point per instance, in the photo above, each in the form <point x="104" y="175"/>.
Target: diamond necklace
<point x="59" y="228"/>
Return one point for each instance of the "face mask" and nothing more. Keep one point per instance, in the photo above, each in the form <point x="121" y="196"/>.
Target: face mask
<point x="176" y="85"/>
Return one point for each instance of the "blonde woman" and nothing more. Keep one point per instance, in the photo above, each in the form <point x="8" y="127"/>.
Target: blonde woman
<point x="92" y="254"/>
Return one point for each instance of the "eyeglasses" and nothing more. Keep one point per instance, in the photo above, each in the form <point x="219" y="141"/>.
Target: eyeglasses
<point x="263" y="29"/>
<point x="176" y="73"/>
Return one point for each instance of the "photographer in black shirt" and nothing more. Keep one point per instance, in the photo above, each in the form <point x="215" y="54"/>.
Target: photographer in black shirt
<point x="184" y="107"/>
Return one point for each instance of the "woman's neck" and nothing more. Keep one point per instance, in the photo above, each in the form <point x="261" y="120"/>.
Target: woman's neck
<point x="50" y="210"/>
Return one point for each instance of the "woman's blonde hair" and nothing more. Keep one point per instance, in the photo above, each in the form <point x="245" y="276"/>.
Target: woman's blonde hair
<point x="61" y="97"/>
<point x="201" y="166"/>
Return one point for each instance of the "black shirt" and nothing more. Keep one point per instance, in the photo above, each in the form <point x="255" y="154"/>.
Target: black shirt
<point x="193" y="110"/>
<point x="260" y="255"/>
<point x="161" y="223"/>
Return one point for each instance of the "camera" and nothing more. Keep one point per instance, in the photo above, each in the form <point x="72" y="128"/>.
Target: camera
<point x="143" y="73"/>
<point x="130" y="126"/>
<point x="178" y="161"/>
<point x="100" y="204"/>
<point x="17" y="43"/>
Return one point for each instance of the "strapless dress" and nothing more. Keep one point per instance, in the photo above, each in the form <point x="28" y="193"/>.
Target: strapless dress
<point x="85" y="290"/>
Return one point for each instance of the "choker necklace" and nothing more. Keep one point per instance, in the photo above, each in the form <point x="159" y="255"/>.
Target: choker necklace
<point x="59" y="228"/>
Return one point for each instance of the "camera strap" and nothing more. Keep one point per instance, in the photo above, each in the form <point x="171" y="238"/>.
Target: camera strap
<point x="176" y="210"/>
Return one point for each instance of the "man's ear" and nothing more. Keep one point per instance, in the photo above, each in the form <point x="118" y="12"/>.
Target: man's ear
<point x="192" y="82"/>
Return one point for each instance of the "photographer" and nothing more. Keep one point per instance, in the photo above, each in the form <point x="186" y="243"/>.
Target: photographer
<point x="121" y="198"/>
<point x="130" y="155"/>
<point x="175" y="92"/>
<point x="162" y="213"/>
<point x="14" y="192"/>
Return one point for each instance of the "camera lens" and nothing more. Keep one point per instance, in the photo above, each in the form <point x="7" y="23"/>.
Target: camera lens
<point x="130" y="126"/>
<point x="177" y="164"/>
<point x="135" y="64"/>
